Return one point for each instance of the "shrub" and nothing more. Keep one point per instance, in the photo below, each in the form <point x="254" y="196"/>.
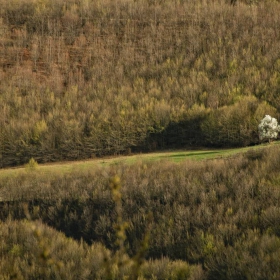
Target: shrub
<point x="31" y="165"/>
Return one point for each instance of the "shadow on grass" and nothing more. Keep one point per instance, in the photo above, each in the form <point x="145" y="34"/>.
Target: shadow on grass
<point x="191" y="155"/>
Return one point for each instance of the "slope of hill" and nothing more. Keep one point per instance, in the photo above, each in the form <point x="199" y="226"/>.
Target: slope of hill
<point x="81" y="79"/>
<point x="213" y="219"/>
<point x="85" y="79"/>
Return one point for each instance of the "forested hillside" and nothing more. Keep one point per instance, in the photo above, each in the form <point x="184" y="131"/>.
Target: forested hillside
<point x="86" y="78"/>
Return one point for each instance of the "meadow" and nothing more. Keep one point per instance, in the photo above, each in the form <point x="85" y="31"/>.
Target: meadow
<point x="173" y="156"/>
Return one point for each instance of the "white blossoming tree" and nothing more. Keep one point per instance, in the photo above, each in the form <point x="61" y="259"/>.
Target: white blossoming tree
<point x="268" y="128"/>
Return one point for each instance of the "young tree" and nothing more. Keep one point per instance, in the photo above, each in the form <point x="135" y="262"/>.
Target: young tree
<point x="268" y="128"/>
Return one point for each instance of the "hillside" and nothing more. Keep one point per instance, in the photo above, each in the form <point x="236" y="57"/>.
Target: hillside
<point x="83" y="79"/>
<point x="214" y="219"/>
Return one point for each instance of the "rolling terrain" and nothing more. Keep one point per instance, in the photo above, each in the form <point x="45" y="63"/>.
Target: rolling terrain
<point x="129" y="144"/>
<point x="154" y="218"/>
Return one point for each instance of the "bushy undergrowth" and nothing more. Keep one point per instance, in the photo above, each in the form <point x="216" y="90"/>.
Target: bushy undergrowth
<point x="84" y="78"/>
<point x="31" y="250"/>
<point x="222" y="214"/>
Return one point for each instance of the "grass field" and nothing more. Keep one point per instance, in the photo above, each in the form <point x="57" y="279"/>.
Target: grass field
<point x="174" y="156"/>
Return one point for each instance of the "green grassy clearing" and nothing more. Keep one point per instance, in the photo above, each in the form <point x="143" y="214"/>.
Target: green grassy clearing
<point x="174" y="156"/>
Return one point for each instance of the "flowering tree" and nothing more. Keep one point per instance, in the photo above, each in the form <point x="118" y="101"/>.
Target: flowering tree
<point x="268" y="128"/>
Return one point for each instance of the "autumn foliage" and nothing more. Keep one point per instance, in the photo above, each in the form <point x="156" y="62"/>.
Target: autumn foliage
<point x="211" y="219"/>
<point x="83" y="78"/>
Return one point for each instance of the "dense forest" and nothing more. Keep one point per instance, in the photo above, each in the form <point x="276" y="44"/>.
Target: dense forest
<point x="84" y="78"/>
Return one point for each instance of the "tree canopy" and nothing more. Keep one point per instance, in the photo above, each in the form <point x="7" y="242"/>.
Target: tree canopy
<point x="90" y="78"/>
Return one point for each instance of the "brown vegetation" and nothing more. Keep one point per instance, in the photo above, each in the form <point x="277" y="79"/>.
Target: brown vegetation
<point x="87" y="78"/>
<point x="222" y="215"/>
